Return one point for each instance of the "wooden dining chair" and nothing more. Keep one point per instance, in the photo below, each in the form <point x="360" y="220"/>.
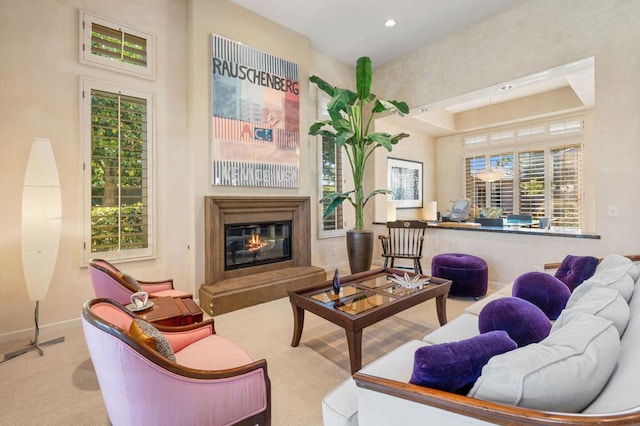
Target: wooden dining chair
<point x="404" y="241"/>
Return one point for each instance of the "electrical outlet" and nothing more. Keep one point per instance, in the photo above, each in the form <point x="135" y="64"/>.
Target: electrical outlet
<point x="613" y="210"/>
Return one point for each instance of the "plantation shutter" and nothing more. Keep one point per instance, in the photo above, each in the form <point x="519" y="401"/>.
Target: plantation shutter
<point x="111" y="45"/>
<point x="118" y="45"/>
<point x="331" y="182"/>
<point x="502" y="190"/>
<point x="119" y="172"/>
<point x="532" y="183"/>
<point x="475" y="189"/>
<point x="566" y="185"/>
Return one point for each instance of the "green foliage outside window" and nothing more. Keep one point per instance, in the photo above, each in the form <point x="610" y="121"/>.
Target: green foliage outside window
<point x="118" y="172"/>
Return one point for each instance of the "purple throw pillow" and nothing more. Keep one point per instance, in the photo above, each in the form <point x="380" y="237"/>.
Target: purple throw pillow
<point x="455" y="366"/>
<point x="575" y="269"/>
<point x="543" y="290"/>
<point x="522" y="320"/>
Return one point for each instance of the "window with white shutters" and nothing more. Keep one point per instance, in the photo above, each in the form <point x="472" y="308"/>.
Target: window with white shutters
<point x="566" y="187"/>
<point x="542" y="167"/>
<point x="110" y="44"/>
<point x="331" y="182"/>
<point x="476" y="189"/>
<point x="531" y="174"/>
<point x="118" y="160"/>
<point x="502" y="190"/>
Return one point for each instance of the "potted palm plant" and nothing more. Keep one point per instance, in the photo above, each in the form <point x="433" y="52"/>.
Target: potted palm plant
<point x="351" y="115"/>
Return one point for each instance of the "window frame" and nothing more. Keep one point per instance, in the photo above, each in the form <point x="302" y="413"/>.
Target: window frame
<point x="340" y="230"/>
<point x="531" y="139"/>
<point x="87" y="58"/>
<point x="86" y="86"/>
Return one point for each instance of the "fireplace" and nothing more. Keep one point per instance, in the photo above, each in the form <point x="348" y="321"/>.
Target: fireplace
<point x="224" y="213"/>
<point x="256" y="249"/>
<point x="252" y="244"/>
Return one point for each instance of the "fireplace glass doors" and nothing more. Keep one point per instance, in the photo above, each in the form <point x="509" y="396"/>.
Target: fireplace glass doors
<point x="256" y="244"/>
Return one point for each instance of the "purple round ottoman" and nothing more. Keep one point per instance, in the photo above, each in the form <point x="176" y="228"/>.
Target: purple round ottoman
<point x="469" y="274"/>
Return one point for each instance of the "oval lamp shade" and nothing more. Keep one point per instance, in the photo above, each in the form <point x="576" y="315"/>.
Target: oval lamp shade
<point x="41" y="219"/>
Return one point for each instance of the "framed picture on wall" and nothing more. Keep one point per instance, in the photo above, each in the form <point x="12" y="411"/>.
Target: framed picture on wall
<point x="404" y="180"/>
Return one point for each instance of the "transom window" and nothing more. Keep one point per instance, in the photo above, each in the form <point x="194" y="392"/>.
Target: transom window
<point x="542" y="171"/>
<point x="110" y="44"/>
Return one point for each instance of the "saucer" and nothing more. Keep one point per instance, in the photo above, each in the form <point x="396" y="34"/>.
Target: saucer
<point x="141" y="308"/>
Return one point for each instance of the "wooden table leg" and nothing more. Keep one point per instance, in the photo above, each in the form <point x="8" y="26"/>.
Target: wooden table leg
<point x="354" y="341"/>
<point x="441" y="307"/>
<point x="298" y="323"/>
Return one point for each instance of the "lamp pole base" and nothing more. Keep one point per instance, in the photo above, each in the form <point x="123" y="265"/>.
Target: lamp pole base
<point x="34" y="344"/>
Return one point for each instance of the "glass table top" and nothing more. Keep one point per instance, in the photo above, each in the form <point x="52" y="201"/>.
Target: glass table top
<point x="363" y="302"/>
<point x="359" y="296"/>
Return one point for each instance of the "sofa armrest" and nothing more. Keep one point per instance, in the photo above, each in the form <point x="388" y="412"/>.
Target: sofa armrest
<point x="486" y="410"/>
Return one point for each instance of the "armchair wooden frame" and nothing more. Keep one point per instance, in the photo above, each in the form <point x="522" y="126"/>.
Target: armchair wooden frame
<point x="117" y="275"/>
<point x="108" y="281"/>
<point x="262" y="418"/>
<point x="405" y="240"/>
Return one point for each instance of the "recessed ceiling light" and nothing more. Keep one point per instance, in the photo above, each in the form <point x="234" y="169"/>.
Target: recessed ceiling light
<point x="390" y="23"/>
<point x="506" y="87"/>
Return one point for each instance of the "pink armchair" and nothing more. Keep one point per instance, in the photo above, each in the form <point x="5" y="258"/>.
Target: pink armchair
<point x="212" y="382"/>
<point x="108" y="281"/>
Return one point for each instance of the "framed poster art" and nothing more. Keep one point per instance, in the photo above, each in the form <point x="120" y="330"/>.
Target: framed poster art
<point x="255" y="137"/>
<point x="404" y="180"/>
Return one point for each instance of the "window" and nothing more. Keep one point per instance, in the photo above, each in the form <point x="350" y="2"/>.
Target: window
<point x="109" y="44"/>
<point x="331" y="177"/>
<point x="543" y="172"/>
<point x="117" y="145"/>
<point x="331" y="182"/>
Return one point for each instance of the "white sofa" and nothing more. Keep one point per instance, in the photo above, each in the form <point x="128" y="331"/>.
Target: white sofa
<point x="380" y="393"/>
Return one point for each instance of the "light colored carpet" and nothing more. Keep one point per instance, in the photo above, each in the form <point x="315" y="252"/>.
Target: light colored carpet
<point x="61" y="388"/>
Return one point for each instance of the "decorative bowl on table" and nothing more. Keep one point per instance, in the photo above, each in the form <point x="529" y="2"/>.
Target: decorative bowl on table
<point x="409" y="282"/>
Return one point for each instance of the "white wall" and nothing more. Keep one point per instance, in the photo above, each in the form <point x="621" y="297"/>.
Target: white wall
<point x="39" y="80"/>
<point x="39" y="97"/>
<point x="532" y="37"/>
<point x="226" y="19"/>
<point x="329" y="253"/>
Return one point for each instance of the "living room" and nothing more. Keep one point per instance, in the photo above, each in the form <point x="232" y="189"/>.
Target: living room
<point x="42" y="98"/>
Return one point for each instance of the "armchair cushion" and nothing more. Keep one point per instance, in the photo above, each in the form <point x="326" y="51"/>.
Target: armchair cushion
<point x="214" y="352"/>
<point x="543" y="290"/>
<point x="575" y="269"/>
<point x="455" y="366"/>
<point x="147" y="334"/>
<point x="522" y="320"/>
<point x="181" y="339"/>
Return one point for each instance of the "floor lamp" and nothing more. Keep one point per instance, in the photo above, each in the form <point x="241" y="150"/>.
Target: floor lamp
<point x="41" y="224"/>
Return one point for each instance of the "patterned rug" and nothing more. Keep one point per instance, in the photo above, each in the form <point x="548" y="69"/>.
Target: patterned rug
<point x="378" y="339"/>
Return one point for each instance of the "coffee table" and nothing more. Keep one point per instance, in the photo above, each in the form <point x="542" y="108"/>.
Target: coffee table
<point x="364" y="299"/>
<point x="172" y="311"/>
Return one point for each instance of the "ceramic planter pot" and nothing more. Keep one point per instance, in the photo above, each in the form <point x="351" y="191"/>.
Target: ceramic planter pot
<point x="359" y="249"/>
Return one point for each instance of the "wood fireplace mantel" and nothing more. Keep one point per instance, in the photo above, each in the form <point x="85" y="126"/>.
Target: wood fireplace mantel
<point x="222" y="210"/>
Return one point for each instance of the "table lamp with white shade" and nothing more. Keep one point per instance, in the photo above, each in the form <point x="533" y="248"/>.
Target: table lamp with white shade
<point x="41" y="225"/>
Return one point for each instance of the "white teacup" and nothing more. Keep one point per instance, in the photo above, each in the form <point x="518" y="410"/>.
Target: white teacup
<point x="139" y="299"/>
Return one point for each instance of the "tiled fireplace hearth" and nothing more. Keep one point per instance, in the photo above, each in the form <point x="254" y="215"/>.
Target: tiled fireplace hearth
<point x="256" y="248"/>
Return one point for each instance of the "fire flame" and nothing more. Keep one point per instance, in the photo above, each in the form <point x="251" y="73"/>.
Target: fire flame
<point x="255" y="243"/>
